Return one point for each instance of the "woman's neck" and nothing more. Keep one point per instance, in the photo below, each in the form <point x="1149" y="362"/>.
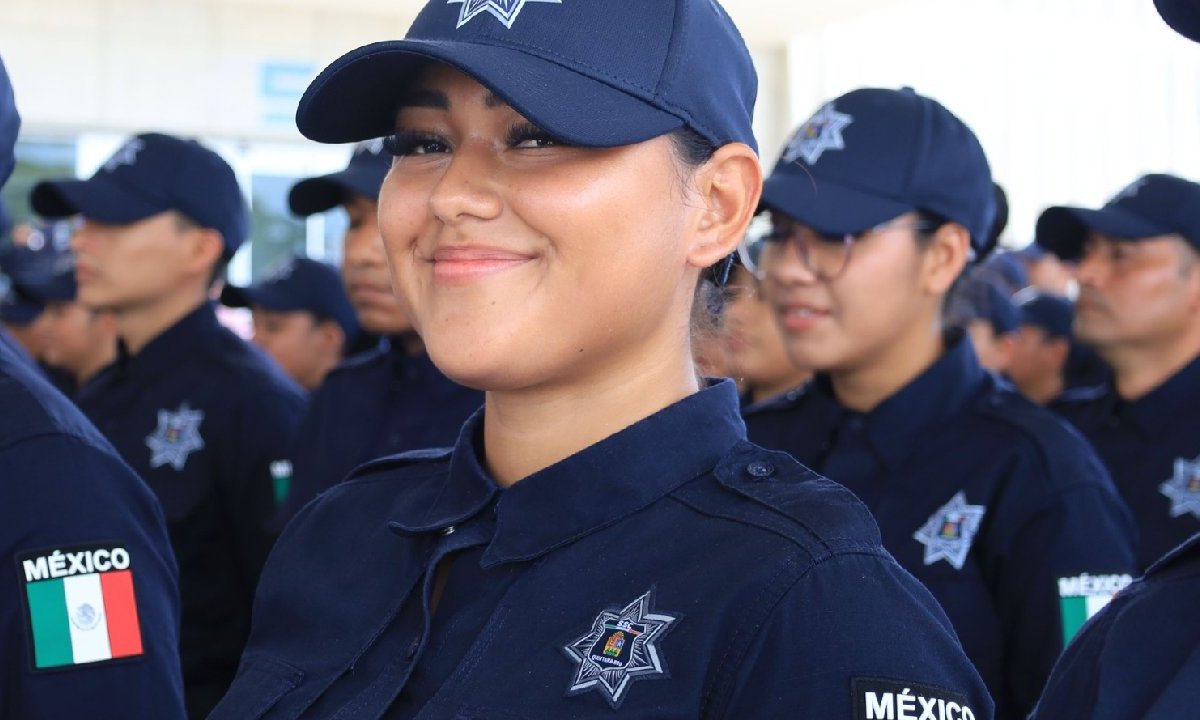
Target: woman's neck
<point x="528" y="430"/>
<point x="864" y="386"/>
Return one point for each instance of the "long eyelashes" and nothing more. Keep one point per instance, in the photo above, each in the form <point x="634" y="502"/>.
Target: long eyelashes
<point x="523" y="135"/>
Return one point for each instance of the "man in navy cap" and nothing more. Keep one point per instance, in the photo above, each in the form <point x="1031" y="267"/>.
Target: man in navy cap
<point x="391" y="399"/>
<point x="1043" y="345"/>
<point x="203" y="417"/>
<point x="89" y="608"/>
<point x="302" y="318"/>
<point x="1139" y="308"/>
<point x="879" y="203"/>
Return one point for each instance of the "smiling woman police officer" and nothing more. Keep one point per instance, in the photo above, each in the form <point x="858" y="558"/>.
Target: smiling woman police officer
<point x="560" y="185"/>
<point x="989" y="500"/>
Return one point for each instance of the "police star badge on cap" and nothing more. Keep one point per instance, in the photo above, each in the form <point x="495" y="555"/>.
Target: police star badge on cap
<point x="621" y="647"/>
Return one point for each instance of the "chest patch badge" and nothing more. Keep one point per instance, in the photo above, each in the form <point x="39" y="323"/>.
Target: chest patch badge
<point x="949" y="532"/>
<point x="1183" y="490"/>
<point x="622" y="646"/>
<point x="81" y="608"/>
<point x="176" y="437"/>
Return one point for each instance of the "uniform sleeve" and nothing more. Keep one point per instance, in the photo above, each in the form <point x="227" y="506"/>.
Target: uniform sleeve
<point x="258" y="476"/>
<point x="857" y="637"/>
<point x="89" y="606"/>
<point x="1056" y="569"/>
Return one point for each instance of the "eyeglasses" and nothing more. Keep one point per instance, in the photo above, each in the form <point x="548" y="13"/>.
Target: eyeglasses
<point x="826" y="255"/>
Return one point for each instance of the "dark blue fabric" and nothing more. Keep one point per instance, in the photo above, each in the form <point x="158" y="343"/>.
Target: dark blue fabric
<point x="774" y="580"/>
<point x="62" y="486"/>
<point x="299" y="285"/>
<point x="1049" y="508"/>
<point x="381" y="403"/>
<point x="1147" y="444"/>
<point x="218" y="499"/>
<point x="10" y="123"/>
<point x="1139" y="659"/>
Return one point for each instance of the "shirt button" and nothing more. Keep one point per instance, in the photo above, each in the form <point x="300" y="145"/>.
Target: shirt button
<point x="760" y="469"/>
<point x="413" y="648"/>
<point x="448" y="530"/>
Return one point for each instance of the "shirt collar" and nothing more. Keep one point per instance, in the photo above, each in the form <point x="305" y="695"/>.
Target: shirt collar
<point x="898" y="425"/>
<point x="590" y="489"/>
<point x="1165" y="404"/>
<point x="192" y="331"/>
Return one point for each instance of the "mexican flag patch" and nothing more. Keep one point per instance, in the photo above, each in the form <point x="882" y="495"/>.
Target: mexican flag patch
<point x="1083" y="596"/>
<point x="80" y="605"/>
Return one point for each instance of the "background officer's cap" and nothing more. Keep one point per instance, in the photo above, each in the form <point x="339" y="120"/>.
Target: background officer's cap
<point x="364" y="176"/>
<point x="301" y="285"/>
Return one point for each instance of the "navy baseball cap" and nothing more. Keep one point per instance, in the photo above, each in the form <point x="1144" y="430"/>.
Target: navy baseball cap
<point x="10" y="123"/>
<point x="1053" y="313"/>
<point x="1153" y="205"/>
<point x="44" y="266"/>
<point x="873" y="154"/>
<point x="369" y="165"/>
<point x="595" y="73"/>
<point x="1182" y="15"/>
<point x="300" y="285"/>
<point x="152" y="173"/>
<point x="979" y="298"/>
<point x="19" y="307"/>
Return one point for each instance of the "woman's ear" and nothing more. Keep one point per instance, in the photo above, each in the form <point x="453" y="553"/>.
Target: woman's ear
<point x="727" y="189"/>
<point x="946" y="257"/>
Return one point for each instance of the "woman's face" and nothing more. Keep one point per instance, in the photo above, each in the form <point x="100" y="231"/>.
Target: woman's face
<point x="853" y="320"/>
<point x="523" y="262"/>
<point x="755" y="345"/>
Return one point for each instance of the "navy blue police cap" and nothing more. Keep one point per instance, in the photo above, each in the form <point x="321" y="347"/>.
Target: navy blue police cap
<point x="873" y="154"/>
<point x="19" y="306"/>
<point x="10" y="123"/>
<point x="153" y="173"/>
<point x="1151" y="206"/>
<point x="596" y="73"/>
<point x="1053" y="313"/>
<point x="1182" y="15"/>
<point x="981" y="298"/>
<point x="43" y="267"/>
<point x="300" y="285"/>
<point x="369" y="165"/>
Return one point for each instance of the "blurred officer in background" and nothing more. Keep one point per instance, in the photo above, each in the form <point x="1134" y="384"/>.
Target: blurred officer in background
<point x="393" y="398"/>
<point x="983" y="308"/>
<point x="89" y="608"/>
<point x="758" y="361"/>
<point x="302" y="318"/>
<point x="80" y="340"/>
<point x="206" y="419"/>
<point x="1139" y="308"/>
<point x="1043" y="345"/>
<point x="993" y="503"/>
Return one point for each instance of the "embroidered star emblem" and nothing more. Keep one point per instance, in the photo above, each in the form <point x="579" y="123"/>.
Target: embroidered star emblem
<point x="125" y="155"/>
<point x="822" y="132"/>
<point x="177" y="437"/>
<point x="506" y="11"/>
<point x="949" y="532"/>
<point x="620" y="648"/>
<point x="1183" y="489"/>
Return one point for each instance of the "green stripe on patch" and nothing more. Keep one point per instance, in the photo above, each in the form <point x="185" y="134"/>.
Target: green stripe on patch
<point x="49" y="623"/>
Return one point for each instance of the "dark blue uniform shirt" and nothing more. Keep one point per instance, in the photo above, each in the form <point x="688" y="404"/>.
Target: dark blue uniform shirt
<point x="672" y="570"/>
<point x="380" y="403"/>
<point x="994" y="504"/>
<point x="1152" y="449"/>
<point x="1139" y="659"/>
<point x="89" y="608"/>
<point x="207" y="420"/>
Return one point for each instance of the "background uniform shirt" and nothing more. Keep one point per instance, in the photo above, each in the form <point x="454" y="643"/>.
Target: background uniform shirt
<point x="1139" y="659"/>
<point x="206" y="420"/>
<point x="1152" y="449"/>
<point x="382" y="403"/>
<point x="672" y="570"/>
<point x="81" y="636"/>
<point x="994" y="504"/>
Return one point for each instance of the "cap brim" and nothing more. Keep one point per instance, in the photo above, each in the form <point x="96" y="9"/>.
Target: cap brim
<point x="319" y="194"/>
<point x="357" y="96"/>
<point x="1064" y="230"/>
<point x="257" y="297"/>
<point x="828" y="207"/>
<point x="94" y="198"/>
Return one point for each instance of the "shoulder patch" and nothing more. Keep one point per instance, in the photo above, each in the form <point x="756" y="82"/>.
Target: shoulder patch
<point x="883" y="699"/>
<point x="80" y="606"/>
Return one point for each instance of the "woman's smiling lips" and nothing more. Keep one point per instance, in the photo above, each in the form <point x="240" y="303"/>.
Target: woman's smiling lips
<point x="458" y="264"/>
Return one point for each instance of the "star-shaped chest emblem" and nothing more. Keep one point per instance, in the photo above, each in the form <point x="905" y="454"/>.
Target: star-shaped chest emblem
<point x="506" y="11"/>
<point x="621" y="647"/>
<point x="176" y="437"/>
<point x="822" y="132"/>
<point x="1183" y="490"/>
<point x="949" y="532"/>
